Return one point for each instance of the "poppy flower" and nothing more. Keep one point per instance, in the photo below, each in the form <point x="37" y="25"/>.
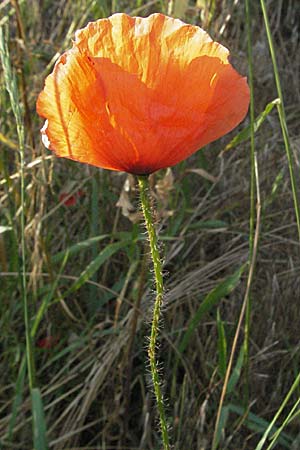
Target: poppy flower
<point x="140" y="94"/>
<point x="48" y="342"/>
<point x="70" y="200"/>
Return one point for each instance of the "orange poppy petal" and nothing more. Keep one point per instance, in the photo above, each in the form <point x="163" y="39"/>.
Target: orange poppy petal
<point x="140" y="94"/>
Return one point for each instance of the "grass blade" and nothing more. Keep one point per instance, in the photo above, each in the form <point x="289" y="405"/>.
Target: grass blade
<point x="282" y="406"/>
<point x="286" y="421"/>
<point x="18" y="397"/>
<point x="255" y="124"/>
<point x="78" y="248"/>
<point x="47" y="299"/>
<point x="258" y="425"/>
<point x="211" y="300"/>
<point x="222" y="424"/>
<point x="222" y="346"/>
<point x="39" y="436"/>
<point x="96" y="264"/>
<point x="236" y="373"/>
<point x="12" y="88"/>
<point x="282" y="116"/>
<point x="254" y="195"/>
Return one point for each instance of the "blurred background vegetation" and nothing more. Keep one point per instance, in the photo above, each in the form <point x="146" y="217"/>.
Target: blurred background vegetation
<point x="89" y="290"/>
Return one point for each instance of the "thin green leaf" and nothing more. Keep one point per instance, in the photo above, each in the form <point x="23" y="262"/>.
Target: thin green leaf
<point x="222" y="346"/>
<point x="18" y="397"/>
<point x="282" y="117"/>
<point x="78" y="248"/>
<point x="259" y="425"/>
<point x="236" y="373"/>
<point x="176" y="222"/>
<point x="208" y="225"/>
<point x="286" y="421"/>
<point x="211" y="300"/>
<point x="270" y="428"/>
<point x="95" y="265"/>
<point x="47" y="299"/>
<point x="39" y="424"/>
<point x="222" y="424"/>
<point x="245" y="134"/>
<point x="94" y="228"/>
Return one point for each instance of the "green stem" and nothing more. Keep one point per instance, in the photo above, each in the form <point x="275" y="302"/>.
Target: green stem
<point x="146" y="207"/>
<point x="252" y="196"/>
<point x="38" y="422"/>
<point x="282" y="116"/>
<point x="11" y="86"/>
<point x="29" y="348"/>
<point x="278" y="413"/>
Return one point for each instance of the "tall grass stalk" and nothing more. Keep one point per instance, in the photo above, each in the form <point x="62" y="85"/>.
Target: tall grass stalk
<point x="253" y="182"/>
<point x="278" y="413"/>
<point x="287" y="144"/>
<point x="157" y="265"/>
<point x="253" y="243"/>
<point x="94" y="231"/>
<point x="282" y="116"/>
<point x="38" y="422"/>
<point x="294" y="412"/>
<point x="11" y="86"/>
<point x="242" y="312"/>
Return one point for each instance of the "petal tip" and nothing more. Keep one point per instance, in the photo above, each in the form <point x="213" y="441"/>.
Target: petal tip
<point x="45" y="138"/>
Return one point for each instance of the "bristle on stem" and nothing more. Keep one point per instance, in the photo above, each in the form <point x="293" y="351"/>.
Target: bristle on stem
<point x="157" y="265"/>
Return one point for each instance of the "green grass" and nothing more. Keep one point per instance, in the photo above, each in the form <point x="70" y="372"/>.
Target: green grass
<point x="79" y="274"/>
<point x="38" y="423"/>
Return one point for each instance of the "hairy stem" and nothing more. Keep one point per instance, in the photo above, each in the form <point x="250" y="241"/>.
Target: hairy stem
<point x="157" y="265"/>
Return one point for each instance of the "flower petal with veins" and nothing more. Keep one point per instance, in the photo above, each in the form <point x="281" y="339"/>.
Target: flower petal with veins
<point x="140" y="94"/>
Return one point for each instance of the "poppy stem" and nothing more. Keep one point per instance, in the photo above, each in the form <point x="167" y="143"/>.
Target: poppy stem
<point x="157" y="265"/>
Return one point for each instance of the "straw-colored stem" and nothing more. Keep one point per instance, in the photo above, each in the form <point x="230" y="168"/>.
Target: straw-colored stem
<point x="157" y="265"/>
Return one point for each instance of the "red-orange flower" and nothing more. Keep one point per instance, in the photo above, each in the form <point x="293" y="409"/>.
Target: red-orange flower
<point x="140" y="94"/>
<point x="70" y="200"/>
<point x="48" y="342"/>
